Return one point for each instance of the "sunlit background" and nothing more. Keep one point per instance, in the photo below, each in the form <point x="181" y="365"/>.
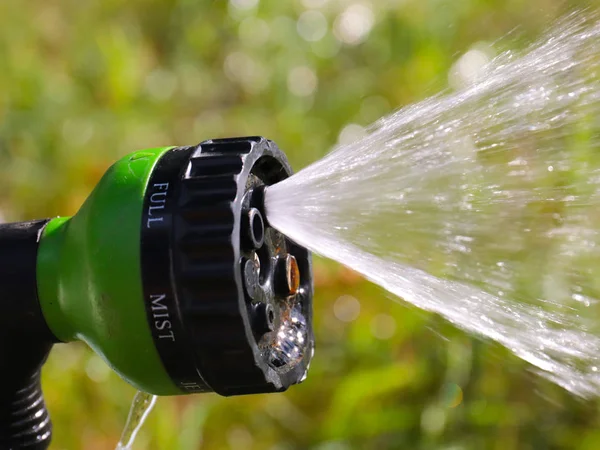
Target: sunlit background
<point x="85" y="82"/>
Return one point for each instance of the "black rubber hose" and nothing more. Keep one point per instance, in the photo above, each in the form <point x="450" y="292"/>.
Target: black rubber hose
<point x="25" y="341"/>
<point x="24" y="419"/>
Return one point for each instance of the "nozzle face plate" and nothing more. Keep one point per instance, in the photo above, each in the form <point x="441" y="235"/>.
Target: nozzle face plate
<point x="228" y="298"/>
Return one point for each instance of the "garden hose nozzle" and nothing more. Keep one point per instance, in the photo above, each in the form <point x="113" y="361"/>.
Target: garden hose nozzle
<point x="169" y="271"/>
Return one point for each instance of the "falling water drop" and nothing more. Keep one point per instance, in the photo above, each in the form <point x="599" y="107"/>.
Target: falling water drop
<point x="141" y="406"/>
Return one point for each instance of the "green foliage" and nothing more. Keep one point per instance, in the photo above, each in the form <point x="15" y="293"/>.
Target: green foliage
<point x="84" y="82"/>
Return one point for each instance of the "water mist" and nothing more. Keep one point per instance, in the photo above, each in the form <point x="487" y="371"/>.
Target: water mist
<point x="482" y="205"/>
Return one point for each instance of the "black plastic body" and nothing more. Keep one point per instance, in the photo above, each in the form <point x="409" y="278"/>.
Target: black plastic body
<point x="25" y="341"/>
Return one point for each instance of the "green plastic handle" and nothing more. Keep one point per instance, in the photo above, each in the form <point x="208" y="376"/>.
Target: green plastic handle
<point x="88" y="272"/>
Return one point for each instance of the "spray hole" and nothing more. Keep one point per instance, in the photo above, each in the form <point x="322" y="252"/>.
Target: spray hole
<point x="257" y="227"/>
<point x="270" y="316"/>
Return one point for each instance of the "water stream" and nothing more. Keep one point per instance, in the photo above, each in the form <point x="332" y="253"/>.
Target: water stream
<point x="481" y="205"/>
<point x="140" y="408"/>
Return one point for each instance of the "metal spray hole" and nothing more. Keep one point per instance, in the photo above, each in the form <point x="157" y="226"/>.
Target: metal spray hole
<point x="264" y="318"/>
<point x="252" y="276"/>
<point x="254" y="228"/>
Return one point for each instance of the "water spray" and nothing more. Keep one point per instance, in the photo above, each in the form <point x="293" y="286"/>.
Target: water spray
<point x="480" y="205"/>
<point x="170" y="271"/>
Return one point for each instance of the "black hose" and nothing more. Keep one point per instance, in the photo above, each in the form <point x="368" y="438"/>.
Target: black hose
<point x="25" y="341"/>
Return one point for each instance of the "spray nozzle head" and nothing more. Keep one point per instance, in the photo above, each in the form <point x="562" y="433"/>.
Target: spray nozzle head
<point x="170" y="271"/>
<point x="238" y="292"/>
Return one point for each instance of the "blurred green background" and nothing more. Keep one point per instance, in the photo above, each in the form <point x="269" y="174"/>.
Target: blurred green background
<point x="85" y="82"/>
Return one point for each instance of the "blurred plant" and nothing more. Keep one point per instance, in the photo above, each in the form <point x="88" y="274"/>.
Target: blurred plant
<point x="82" y="83"/>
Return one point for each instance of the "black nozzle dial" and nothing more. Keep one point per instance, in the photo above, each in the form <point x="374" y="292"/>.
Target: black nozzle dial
<point x="238" y="322"/>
